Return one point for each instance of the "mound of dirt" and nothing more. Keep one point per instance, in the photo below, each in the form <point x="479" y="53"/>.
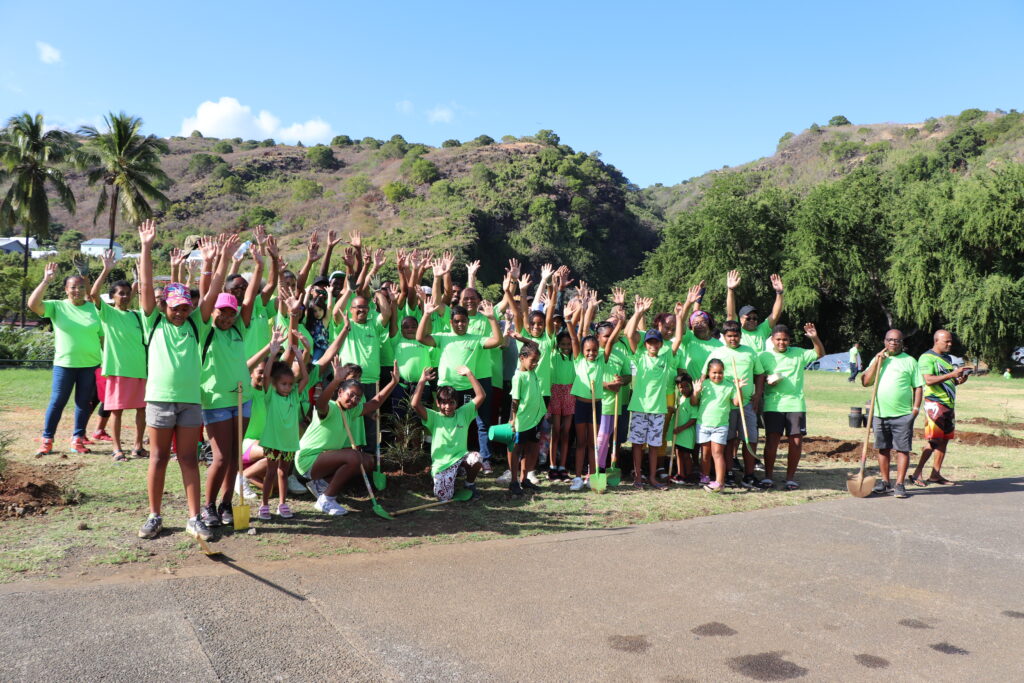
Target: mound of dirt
<point x="992" y="423"/>
<point x="826" y="449"/>
<point x="24" y="490"/>
<point x="982" y="439"/>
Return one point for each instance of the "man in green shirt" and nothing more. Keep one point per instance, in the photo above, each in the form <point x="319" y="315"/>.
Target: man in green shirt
<point x="854" y="361"/>
<point x="897" y="403"/>
<point x="940" y="382"/>
<point x="753" y="334"/>
<point x="785" y="411"/>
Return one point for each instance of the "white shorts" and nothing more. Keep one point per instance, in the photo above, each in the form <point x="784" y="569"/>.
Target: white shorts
<point x="646" y="428"/>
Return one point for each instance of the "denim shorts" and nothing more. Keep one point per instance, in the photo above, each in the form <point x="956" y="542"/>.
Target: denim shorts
<point x="713" y="434"/>
<point x="214" y="415"/>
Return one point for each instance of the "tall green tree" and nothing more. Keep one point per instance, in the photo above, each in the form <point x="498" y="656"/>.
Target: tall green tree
<point x="128" y="165"/>
<point x="31" y="161"/>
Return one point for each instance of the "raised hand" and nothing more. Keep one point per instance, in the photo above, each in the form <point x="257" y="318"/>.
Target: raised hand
<point x="546" y="271"/>
<point x="313" y="248"/>
<point x="429" y="375"/>
<point x="429" y="308"/>
<point x="349" y="257"/>
<point x="208" y="248"/>
<point x="514" y="267"/>
<point x="257" y="252"/>
<point x="271" y="245"/>
<point x="732" y="280"/>
<point x="486" y="308"/>
<point x="698" y="384"/>
<point x="441" y="267"/>
<point x="619" y="296"/>
<point x="810" y="330"/>
<point x="333" y="239"/>
<point x="147" y="232"/>
<point x="776" y="283"/>
<point x="572" y="308"/>
<point x="379" y="258"/>
<point x="49" y="272"/>
<point x="277" y="338"/>
<point x="472" y="267"/>
<point x="336" y="366"/>
<point x="679" y="309"/>
<point x="463" y="370"/>
<point x="694" y="294"/>
<point x="355" y="239"/>
<point x="524" y="282"/>
<point x="506" y="282"/>
<point x="229" y="245"/>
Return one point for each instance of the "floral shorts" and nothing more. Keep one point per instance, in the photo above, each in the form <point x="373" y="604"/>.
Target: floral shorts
<point x="444" y="481"/>
<point x="562" y="402"/>
<point x="278" y="456"/>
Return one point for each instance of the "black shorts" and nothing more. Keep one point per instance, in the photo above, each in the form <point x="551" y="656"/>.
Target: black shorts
<point x="894" y="433"/>
<point x="790" y="424"/>
<point x="529" y="436"/>
<point x="585" y="412"/>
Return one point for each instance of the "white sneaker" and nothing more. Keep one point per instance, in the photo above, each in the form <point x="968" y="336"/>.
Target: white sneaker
<point x="329" y="507"/>
<point x="294" y="486"/>
<point x="577" y="484"/>
<point x="532" y="478"/>
<point x="317" y="487"/>
<point x="505" y="478"/>
<point x="247" y="491"/>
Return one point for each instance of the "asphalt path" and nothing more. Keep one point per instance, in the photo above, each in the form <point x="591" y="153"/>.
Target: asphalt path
<point x="927" y="588"/>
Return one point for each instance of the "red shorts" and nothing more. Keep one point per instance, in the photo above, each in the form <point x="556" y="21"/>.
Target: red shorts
<point x="939" y="424"/>
<point x="562" y="402"/>
<point x="124" y="393"/>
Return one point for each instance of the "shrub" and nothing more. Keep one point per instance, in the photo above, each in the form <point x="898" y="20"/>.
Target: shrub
<point x="396" y="191"/>
<point x="322" y="157"/>
<point x="482" y="175"/>
<point x="256" y="215"/>
<point x="232" y="185"/>
<point x="71" y="239"/>
<point x="863" y="131"/>
<point x="202" y="163"/>
<point x="815" y="128"/>
<point x="786" y="137"/>
<point x="248" y="144"/>
<point x="839" y="120"/>
<point x="962" y="145"/>
<point x="26" y="343"/>
<point x="509" y="138"/>
<point x="451" y="142"/>
<point x="341" y="141"/>
<point x="394" y="149"/>
<point x="483" y="140"/>
<point x="969" y="116"/>
<point x="269" y="142"/>
<point x="930" y="124"/>
<point x="357" y="185"/>
<point x="222" y="147"/>
<point x="195" y="134"/>
<point x="370" y="143"/>
<point x="423" y="171"/>
<point x="220" y="171"/>
<point x="546" y="137"/>
<point x="304" y="189"/>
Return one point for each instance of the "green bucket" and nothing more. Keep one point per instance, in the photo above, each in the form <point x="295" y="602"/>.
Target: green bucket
<point x="502" y="433"/>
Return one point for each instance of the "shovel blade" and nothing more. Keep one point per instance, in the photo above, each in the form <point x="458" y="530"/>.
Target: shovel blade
<point x="462" y="495"/>
<point x="860" y="487"/>
<point x="614" y="475"/>
<point x="380" y="480"/>
<point x="210" y="552"/>
<point x="599" y="482"/>
<point x="381" y="512"/>
<point x="241" y="514"/>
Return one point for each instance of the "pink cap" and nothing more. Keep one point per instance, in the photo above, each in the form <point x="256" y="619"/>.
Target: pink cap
<point x="176" y="294"/>
<point x="225" y="300"/>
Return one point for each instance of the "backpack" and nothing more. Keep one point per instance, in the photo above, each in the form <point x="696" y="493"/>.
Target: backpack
<point x="160" y="319"/>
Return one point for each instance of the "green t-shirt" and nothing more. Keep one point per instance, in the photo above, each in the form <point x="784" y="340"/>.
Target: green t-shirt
<point x="748" y="364"/>
<point x="697" y="351"/>
<point x="757" y="337"/>
<point x="258" y="335"/>
<point x="854" y="354"/>
<point x="563" y="369"/>
<point x="900" y="376"/>
<point x="174" y="362"/>
<point x="715" y="404"/>
<point x="448" y="436"/>
<point x="257" y="417"/>
<point x="546" y="343"/>
<point x="363" y="347"/>
<point x="281" y="428"/>
<point x="786" y="395"/>
<point x="412" y="357"/>
<point x="457" y="350"/>
<point x="488" y="359"/>
<point x="653" y="378"/>
<point x="588" y="373"/>
<point x="526" y="389"/>
<point x="931" y="363"/>
<point x="329" y="434"/>
<point x="124" y="342"/>
<point x="620" y="362"/>
<point x="76" y="333"/>
<point x="686" y="412"/>
<point x="224" y="367"/>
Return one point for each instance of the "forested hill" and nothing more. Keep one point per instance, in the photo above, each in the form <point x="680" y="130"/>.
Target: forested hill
<point x="916" y="227"/>
<point x="531" y="198"/>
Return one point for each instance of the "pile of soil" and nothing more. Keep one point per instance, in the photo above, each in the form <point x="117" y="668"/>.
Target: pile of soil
<point x="826" y="449"/>
<point x="992" y="423"/>
<point x="24" y="490"/>
<point x="981" y="439"/>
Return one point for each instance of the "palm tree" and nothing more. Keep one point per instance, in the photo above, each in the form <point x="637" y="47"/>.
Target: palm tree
<point x="30" y="159"/>
<point x="129" y="165"/>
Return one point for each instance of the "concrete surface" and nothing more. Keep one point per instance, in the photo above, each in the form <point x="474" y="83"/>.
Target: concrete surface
<point x="927" y="588"/>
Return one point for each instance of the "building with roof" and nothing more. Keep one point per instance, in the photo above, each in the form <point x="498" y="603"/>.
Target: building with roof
<point x="96" y="247"/>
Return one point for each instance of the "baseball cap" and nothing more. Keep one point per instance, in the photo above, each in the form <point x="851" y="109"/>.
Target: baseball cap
<point x="747" y="310"/>
<point x="653" y="335"/>
<point x="225" y="300"/>
<point x="176" y="294"/>
<point x="337" y="273"/>
<point x="321" y="282"/>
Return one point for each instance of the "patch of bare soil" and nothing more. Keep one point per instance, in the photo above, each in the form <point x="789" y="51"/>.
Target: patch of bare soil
<point x="27" y="490"/>
<point x="982" y="439"/>
<point x="992" y="423"/>
<point x="826" y="449"/>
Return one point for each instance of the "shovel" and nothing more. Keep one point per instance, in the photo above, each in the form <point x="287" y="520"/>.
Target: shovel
<point x="613" y="473"/>
<point x="598" y="481"/>
<point x="460" y="496"/>
<point x="377" y="509"/>
<point x="857" y="484"/>
<point x="207" y="550"/>
<point x="242" y="511"/>
<point x="743" y="416"/>
<point x="380" y="480"/>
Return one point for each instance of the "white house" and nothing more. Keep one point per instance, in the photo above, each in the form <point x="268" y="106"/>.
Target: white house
<point x="96" y="247"/>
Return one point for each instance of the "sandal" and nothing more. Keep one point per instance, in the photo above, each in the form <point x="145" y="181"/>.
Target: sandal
<point x="918" y="481"/>
<point x="713" y="487"/>
<point x="658" y="485"/>
<point x="638" y="484"/>
<point x="140" y="453"/>
<point x="939" y="479"/>
<point x="119" y="456"/>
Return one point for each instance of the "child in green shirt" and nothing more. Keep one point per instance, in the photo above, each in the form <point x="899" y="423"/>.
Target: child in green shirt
<point x="684" y="429"/>
<point x="715" y="399"/>
<point x="449" y="430"/>
<point x="280" y="438"/>
<point x="527" y="412"/>
<point x="562" y="405"/>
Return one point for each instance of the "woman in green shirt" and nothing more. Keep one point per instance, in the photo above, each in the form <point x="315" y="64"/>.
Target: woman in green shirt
<point x="76" y="329"/>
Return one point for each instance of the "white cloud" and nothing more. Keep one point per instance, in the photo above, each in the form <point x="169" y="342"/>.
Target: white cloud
<point x="404" y="107"/>
<point x="48" y="54"/>
<point x="229" y="118"/>
<point x="441" y="114"/>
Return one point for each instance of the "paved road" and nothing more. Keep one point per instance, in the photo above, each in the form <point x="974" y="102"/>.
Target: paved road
<point x="923" y="589"/>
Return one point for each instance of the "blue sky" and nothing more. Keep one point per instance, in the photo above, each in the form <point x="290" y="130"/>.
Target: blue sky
<point x="665" y="90"/>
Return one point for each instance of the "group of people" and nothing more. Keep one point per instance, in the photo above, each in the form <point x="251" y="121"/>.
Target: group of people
<point x="295" y="375"/>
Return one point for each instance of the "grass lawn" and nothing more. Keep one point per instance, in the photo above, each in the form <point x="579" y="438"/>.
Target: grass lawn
<point x="96" y="534"/>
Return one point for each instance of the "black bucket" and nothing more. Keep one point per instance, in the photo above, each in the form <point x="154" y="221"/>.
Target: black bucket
<point x="856" y="417"/>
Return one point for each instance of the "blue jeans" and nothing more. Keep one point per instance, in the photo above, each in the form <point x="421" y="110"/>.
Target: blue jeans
<point x="84" y="382"/>
<point x="483" y="419"/>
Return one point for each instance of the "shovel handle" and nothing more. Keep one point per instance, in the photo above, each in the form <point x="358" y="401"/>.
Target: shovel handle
<point x="615" y="431"/>
<point x="352" y="444"/>
<point x="241" y="476"/>
<point x="423" y="507"/>
<point x="871" y="416"/>
<point x="593" y="412"/>
<point x="377" y="421"/>
<point x="743" y="416"/>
